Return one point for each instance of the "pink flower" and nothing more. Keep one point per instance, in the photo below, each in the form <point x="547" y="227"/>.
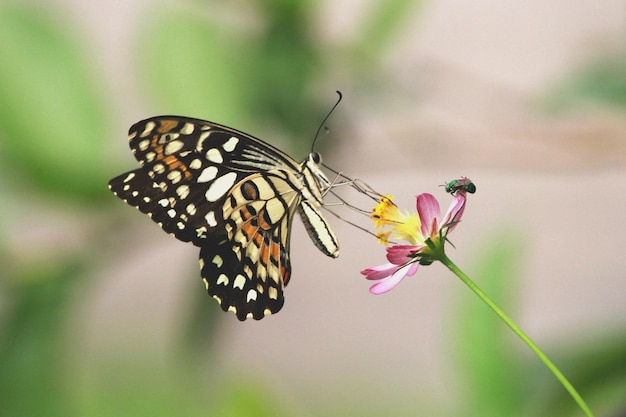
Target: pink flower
<point x="426" y="231"/>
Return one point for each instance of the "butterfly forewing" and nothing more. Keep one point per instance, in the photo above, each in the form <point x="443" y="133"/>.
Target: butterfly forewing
<point x="234" y="196"/>
<point x="137" y="189"/>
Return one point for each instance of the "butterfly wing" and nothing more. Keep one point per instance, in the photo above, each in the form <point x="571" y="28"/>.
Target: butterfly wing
<point x="247" y="272"/>
<point x="194" y="163"/>
<point x="225" y="191"/>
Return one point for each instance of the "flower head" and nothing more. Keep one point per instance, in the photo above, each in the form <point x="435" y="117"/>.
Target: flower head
<point x="426" y="231"/>
<point x="386" y="213"/>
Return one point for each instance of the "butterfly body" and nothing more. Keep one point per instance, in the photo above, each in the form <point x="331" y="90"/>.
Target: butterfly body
<point x="232" y="195"/>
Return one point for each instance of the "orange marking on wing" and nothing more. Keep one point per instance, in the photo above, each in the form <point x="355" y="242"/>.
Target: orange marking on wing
<point x="159" y="150"/>
<point x="249" y="192"/>
<point x="167" y="125"/>
<point x="263" y="224"/>
<point x="249" y="230"/>
<point x="275" y="253"/>
<point x="258" y="239"/>
<point x="277" y="260"/>
<point x="174" y="164"/>
<point x="154" y="144"/>
<point x="264" y="254"/>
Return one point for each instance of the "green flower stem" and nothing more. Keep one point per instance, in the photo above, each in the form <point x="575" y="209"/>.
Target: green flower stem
<point x="551" y="366"/>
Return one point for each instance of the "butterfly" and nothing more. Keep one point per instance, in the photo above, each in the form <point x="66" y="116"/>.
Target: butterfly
<point x="232" y="195"/>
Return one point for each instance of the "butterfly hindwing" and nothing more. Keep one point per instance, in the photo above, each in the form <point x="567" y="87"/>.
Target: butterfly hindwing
<point x="248" y="271"/>
<point x="248" y="280"/>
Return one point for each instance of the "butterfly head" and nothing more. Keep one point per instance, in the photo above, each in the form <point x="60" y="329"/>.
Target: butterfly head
<point x="315" y="158"/>
<point x="312" y="164"/>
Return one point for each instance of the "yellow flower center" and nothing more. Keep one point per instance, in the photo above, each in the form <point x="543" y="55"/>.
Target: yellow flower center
<point x="405" y="226"/>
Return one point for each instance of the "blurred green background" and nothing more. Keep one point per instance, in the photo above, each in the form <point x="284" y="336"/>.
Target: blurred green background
<point x="102" y="314"/>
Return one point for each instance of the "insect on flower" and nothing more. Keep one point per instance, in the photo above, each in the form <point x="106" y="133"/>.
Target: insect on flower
<point x="463" y="183"/>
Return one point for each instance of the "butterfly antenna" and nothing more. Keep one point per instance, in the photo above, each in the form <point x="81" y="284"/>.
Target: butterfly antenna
<point x="325" y="119"/>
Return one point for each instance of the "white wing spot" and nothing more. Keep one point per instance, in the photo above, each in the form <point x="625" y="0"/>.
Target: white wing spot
<point x="203" y="137"/>
<point x="230" y="144"/>
<point x="210" y="219"/>
<point x="144" y="144"/>
<point x="191" y="209"/>
<point x="214" y="155"/>
<point x="207" y="174"/>
<point x="239" y="282"/>
<point x="129" y="177"/>
<point x="173" y="147"/>
<point x="180" y="225"/>
<point x="150" y="156"/>
<point x="159" y="168"/>
<point x="247" y="270"/>
<point x="206" y="283"/>
<point x="222" y="279"/>
<point x="148" y="129"/>
<point x="171" y="213"/>
<point x="273" y="293"/>
<point x="135" y="194"/>
<point x="251" y="295"/>
<point x="174" y="176"/>
<point x="182" y="191"/>
<point x="187" y="129"/>
<point x="147" y="199"/>
<point x="218" y="261"/>
<point x="201" y="232"/>
<point x="195" y="164"/>
<point x="220" y="186"/>
<point x="164" y="202"/>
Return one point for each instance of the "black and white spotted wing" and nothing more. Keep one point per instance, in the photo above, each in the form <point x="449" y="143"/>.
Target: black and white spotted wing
<point x="232" y="195"/>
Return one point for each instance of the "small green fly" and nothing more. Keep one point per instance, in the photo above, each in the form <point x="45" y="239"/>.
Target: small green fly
<point x="461" y="184"/>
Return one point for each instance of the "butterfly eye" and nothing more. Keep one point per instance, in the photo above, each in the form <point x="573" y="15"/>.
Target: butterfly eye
<point x="315" y="157"/>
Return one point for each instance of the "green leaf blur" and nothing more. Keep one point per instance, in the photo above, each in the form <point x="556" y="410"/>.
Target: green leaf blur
<point x="53" y="120"/>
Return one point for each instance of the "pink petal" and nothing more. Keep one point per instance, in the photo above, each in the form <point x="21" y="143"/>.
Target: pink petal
<point x="399" y="254"/>
<point x="455" y="211"/>
<point x="429" y="212"/>
<point x="380" y="271"/>
<point x="390" y="283"/>
<point x="413" y="269"/>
